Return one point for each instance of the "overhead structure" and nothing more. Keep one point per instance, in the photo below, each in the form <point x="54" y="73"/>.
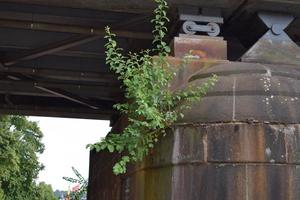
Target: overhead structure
<point x="240" y="142"/>
<point x="52" y="58"/>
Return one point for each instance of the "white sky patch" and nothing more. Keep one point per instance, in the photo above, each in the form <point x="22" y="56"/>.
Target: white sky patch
<point x="65" y="146"/>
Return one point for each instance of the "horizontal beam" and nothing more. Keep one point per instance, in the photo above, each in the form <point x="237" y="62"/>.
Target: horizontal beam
<point x="49" y="111"/>
<point x="103" y="78"/>
<point x="18" y="90"/>
<point x="55" y="91"/>
<point x="129" y="6"/>
<point x="49" y="49"/>
<point x="61" y="63"/>
<point x="60" y="46"/>
<point x="101" y="92"/>
<point x="79" y="54"/>
<point x="39" y="26"/>
<point x="95" y="19"/>
<point x="67" y="53"/>
<point x="33" y="92"/>
<point x="12" y="89"/>
<point x="85" y="20"/>
<point x="66" y="95"/>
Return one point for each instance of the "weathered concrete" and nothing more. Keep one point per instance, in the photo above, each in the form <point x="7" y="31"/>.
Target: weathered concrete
<point x="249" y="147"/>
<point x="241" y="142"/>
<point x="213" y="161"/>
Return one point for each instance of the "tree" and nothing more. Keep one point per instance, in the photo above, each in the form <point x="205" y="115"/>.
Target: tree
<point x="151" y="105"/>
<point x="45" y="192"/>
<point x="20" y="144"/>
<point x="9" y="160"/>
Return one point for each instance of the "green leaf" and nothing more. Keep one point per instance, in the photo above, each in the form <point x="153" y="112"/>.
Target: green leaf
<point x="97" y="147"/>
<point x="110" y="148"/>
<point x="150" y="105"/>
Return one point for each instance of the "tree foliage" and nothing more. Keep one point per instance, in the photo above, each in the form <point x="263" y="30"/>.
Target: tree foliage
<point x="151" y="105"/>
<point x="20" y="144"/>
<point x="45" y="192"/>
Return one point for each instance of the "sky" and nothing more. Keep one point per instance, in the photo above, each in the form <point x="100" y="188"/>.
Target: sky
<point x="65" y="146"/>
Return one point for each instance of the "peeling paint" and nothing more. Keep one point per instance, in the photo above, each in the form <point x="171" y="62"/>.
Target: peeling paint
<point x="268" y="152"/>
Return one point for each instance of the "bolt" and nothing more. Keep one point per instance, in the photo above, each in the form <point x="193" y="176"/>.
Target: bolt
<point x="189" y="28"/>
<point x="276" y="29"/>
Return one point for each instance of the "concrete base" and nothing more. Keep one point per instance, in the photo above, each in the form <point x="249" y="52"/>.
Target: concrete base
<point x="241" y="142"/>
<point x="224" y="161"/>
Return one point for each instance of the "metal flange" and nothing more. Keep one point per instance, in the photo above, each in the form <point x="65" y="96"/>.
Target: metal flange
<point x="275" y="46"/>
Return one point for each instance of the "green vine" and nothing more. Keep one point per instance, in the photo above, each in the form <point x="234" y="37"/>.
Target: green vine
<point x="83" y="183"/>
<point x="151" y="106"/>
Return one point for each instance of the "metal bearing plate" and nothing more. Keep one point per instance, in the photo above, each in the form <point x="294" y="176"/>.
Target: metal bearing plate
<point x="215" y="29"/>
<point x="188" y="27"/>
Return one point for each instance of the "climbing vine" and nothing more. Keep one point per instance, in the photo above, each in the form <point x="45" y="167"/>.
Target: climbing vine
<point x="81" y="181"/>
<point x="151" y="106"/>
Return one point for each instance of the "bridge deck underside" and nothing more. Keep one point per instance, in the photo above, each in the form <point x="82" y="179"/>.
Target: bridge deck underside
<point x="52" y="60"/>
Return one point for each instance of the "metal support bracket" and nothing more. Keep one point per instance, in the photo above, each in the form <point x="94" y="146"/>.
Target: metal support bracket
<point x="201" y="23"/>
<point x="275" y="46"/>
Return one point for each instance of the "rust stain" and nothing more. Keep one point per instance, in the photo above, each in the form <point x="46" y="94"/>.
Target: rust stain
<point x="201" y="46"/>
<point x="234" y="167"/>
<point x="288" y="184"/>
<point x="260" y="144"/>
<point x="258" y="184"/>
<point x="202" y="54"/>
<point x="187" y="69"/>
<point x="205" y="151"/>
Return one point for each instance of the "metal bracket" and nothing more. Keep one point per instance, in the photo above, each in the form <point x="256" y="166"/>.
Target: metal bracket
<point x="275" y="46"/>
<point x="205" y="24"/>
<point x="276" y="22"/>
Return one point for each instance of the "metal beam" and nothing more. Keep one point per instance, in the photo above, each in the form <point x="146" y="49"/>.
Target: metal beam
<point x="26" y="90"/>
<point x="72" y="20"/>
<point x="66" y="18"/>
<point x="52" y="48"/>
<point x="66" y="95"/>
<point x="67" y="53"/>
<point x="12" y="89"/>
<point x="15" y="88"/>
<point x="61" y="93"/>
<point x="69" y="112"/>
<point x="129" y="6"/>
<point x="91" y="35"/>
<point x="79" y="54"/>
<point x="2" y="67"/>
<point x="103" y="92"/>
<point x="39" y="26"/>
<point x="103" y="78"/>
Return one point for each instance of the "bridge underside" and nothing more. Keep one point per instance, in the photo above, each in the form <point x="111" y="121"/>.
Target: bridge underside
<point x="52" y="60"/>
